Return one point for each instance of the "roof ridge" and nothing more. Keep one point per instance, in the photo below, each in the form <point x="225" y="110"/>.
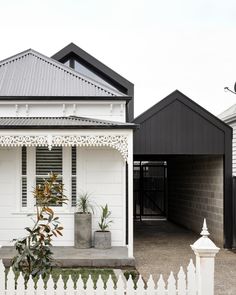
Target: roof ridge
<point x="15" y="56"/>
<point x="62" y="67"/>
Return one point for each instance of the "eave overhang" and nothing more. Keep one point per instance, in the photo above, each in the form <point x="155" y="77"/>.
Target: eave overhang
<point x="61" y="123"/>
<point x="76" y="98"/>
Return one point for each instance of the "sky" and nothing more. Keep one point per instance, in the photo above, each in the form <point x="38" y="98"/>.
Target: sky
<point x="159" y="45"/>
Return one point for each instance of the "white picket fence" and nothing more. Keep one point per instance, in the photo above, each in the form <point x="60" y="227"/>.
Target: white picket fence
<point x="197" y="281"/>
<point x="181" y="286"/>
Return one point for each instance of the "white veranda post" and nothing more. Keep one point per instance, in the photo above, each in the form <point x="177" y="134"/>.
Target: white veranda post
<point x="130" y="196"/>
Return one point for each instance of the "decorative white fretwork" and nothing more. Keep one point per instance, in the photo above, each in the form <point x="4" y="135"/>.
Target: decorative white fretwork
<point x="118" y="142"/>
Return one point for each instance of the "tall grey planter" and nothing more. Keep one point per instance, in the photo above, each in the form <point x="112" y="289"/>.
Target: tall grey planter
<point x="83" y="230"/>
<point x="102" y="239"/>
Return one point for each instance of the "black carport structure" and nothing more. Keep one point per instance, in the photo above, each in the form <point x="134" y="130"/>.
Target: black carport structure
<point x="196" y="149"/>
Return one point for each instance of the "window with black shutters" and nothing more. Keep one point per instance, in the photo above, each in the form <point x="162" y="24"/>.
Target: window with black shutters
<point x="23" y="177"/>
<point x="48" y="161"/>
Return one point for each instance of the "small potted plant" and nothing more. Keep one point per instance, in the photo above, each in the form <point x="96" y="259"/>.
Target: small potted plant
<point x="102" y="237"/>
<point x="83" y="222"/>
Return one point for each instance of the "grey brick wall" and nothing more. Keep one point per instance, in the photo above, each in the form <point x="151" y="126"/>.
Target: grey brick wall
<point x="195" y="191"/>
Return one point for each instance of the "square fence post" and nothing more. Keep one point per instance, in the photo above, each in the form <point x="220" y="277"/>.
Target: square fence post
<point x="205" y="251"/>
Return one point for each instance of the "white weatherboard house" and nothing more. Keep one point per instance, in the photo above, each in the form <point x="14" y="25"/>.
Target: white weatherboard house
<point x="229" y="117"/>
<point x="67" y="117"/>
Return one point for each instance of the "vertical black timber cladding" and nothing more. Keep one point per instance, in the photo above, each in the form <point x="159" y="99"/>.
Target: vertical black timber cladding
<point x="177" y="125"/>
<point x="127" y="204"/>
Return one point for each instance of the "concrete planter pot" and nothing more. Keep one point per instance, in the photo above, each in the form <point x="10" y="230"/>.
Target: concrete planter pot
<point x="102" y="239"/>
<point x="82" y="230"/>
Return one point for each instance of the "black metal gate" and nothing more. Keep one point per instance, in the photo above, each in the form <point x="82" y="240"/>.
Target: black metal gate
<point x="149" y="189"/>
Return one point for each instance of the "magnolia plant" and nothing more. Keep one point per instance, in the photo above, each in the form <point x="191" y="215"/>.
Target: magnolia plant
<point x="35" y="255"/>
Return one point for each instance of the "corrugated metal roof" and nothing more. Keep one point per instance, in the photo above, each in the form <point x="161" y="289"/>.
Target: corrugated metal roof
<point x="32" y="74"/>
<point x="59" y="122"/>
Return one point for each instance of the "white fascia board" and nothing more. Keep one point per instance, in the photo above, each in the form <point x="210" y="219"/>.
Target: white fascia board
<point x="66" y="132"/>
<point x="48" y="101"/>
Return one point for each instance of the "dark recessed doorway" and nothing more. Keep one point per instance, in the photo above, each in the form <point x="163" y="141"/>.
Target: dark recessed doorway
<point x="150" y="189"/>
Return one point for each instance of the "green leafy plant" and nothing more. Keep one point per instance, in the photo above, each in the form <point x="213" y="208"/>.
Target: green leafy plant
<point x="84" y="204"/>
<point x="105" y="218"/>
<point x="35" y="256"/>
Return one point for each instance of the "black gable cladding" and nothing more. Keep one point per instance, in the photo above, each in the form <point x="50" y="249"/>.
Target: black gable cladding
<point x="178" y="126"/>
<point x="73" y="51"/>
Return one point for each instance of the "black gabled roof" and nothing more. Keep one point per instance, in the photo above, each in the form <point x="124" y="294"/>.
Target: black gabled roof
<point x="75" y="52"/>
<point x="71" y="122"/>
<point x="178" y="125"/>
<point x="179" y="96"/>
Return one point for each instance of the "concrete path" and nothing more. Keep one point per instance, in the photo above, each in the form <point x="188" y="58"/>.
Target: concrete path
<point x="161" y="247"/>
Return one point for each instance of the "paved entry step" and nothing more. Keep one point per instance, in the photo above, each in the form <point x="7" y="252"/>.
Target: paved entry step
<point x="72" y="257"/>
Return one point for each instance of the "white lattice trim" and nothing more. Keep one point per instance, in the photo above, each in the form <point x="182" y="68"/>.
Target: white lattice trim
<point x="118" y="142"/>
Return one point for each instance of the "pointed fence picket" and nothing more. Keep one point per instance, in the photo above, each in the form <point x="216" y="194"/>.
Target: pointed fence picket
<point x="161" y="286"/>
<point x="184" y="285"/>
<point x="120" y="286"/>
<point x="80" y="286"/>
<point x="191" y="279"/>
<point x="150" y="286"/>
<point x="30" y="287"/>
<point x="171" y="285"/>
<point x="60" y="287"/>
<point x="181" y="282"/>
<point x="110" y="286"/>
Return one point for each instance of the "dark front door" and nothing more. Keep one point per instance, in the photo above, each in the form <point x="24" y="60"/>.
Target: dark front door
<point x="149" y="189"/>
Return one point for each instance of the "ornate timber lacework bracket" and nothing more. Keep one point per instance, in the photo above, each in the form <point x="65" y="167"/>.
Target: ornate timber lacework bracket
<point x="118" y="142"/>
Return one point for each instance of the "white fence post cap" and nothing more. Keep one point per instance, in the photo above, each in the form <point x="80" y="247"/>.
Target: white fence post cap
<point x="204" y="245"/>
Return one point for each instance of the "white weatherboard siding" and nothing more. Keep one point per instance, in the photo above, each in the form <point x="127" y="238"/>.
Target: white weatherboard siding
<point x="229" y="117"/>
<point x="233" y="125"/>
<point x="102" y="110"/>
<point x="100" y="171"/>
<point x="10" y="225"/>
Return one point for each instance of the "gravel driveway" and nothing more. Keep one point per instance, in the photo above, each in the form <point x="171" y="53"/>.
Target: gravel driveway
<point x="161" y="247"/>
